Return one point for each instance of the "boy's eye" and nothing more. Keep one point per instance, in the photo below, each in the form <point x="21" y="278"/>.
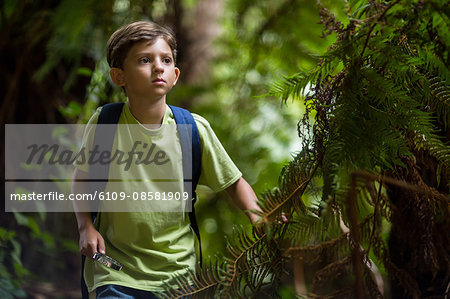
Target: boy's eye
<point x="167" y="60"/>
<point x="144" y="60"/>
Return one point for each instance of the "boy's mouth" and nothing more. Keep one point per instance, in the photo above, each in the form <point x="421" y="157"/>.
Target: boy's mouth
<point x="159" y="80"/>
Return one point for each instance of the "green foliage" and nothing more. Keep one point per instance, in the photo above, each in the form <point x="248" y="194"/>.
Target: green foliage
<point x="379" y="100"/>
<point x="33" y="241"/>
<point x="11" y="269"/>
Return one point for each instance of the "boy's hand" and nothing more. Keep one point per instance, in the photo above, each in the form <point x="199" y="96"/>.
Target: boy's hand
<point x="91" y="241"/>
<point x="283" y="218"/>
<point x="260" y="226"/>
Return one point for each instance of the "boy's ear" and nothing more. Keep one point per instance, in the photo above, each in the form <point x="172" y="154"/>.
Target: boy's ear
<point x="177" y="74"/>
<point x="117" y="76"/>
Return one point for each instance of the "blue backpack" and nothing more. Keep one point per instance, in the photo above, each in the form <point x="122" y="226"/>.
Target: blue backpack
<point x="110" y="114"/>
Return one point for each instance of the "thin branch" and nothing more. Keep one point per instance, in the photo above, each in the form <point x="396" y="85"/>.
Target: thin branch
<point x="373" y="27"/>
<point x="294" y="251"/>
<point x="375" y="212"/>
<point x="425" y="190"/>
<point x="354" y="233"/>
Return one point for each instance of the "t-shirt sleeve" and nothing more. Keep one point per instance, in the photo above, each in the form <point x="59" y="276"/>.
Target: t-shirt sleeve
<point x="218" y="170"/>
<point x="86" y="143"/>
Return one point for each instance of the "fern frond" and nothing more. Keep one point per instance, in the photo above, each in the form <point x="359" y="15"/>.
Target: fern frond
<point x="254" y="259"/>
<point x="433" y="64"/>
<point x="203" y="284"/>
<point x="320" y="245"/>
<point x="313" y="253"/>
<point x="439" y="102"/>
<point x="436" y="147"/>
<point x="334" y="269"/>
<point x="294" y="86"/>
<point x="339" y="268"/>
<point x="310" y="229"/>
<point x="294" y="179"/>
<point x="289" y="86"/>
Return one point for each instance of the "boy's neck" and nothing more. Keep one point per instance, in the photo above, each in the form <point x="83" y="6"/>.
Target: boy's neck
<point x="148" y="112"/>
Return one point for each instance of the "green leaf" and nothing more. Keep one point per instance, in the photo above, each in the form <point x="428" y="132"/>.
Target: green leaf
<point x="84" y="71"/>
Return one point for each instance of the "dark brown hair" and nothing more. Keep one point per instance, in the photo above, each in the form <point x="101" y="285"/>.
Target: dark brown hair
<point x="123" y="39"/>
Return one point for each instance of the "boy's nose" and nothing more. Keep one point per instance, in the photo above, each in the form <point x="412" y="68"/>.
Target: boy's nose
<point x="157" y="67"/>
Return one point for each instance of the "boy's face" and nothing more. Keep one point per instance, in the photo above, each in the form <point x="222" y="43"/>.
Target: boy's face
<point x="148" y="70"/>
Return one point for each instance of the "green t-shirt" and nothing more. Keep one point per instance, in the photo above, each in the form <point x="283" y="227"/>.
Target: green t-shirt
<point x="153" y="246"/>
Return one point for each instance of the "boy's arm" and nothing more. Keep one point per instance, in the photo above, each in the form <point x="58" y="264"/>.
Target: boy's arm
<point x="245" y="198"/>
<point x="90" y="239"/>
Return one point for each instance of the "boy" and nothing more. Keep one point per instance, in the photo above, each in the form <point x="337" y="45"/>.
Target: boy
<point x="153" y="247"/>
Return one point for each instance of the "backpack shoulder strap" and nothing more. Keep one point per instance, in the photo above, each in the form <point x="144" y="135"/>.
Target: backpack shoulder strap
<point x="183" y="116"/>
<point x="110" y="113"/>
<point x="103" y="141"/>
<point x="190" y="144"/>
<point x="98" y="175"/>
